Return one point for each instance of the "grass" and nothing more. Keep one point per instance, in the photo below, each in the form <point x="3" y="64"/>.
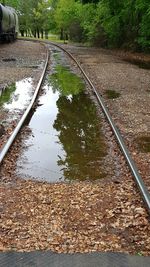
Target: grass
<point x="66" y="81"/>
<point x="6" y="95"/>
<point x="112" y="94"/>
<point x="52" y="38"/>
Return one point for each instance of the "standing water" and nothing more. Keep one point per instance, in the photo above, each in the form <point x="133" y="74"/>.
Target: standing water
<point x="16" y="98"/>
<point x="66" y="142"/>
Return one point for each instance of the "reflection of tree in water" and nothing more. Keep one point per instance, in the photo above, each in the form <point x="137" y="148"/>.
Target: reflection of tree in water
<point x="80" y="136"/>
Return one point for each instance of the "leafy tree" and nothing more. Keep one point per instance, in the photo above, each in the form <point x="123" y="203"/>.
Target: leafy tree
<point x="89" y="1"/>
<point x="13" y="3"/>
<point x="143" y="11"/>
<point x="69" y="20"/>
<point x="76" y="138"/>
<point x="112" y="23"/>
<point x="87" y="15"/>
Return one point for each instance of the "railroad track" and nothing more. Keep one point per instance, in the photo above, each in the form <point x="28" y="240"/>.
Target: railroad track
<point x="142" y="188"/>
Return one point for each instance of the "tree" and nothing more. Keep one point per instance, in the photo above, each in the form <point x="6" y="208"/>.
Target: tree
<point x="89" y="1"/>
<point x="143" y="10"/>
<point x="76" y="138"/>
<point x="67" y="19"/>
<point x="12" y="3"/>
<point x="111" y="23"/>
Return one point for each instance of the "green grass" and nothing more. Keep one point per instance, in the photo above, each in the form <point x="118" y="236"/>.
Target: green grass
<point x="112" y="94"/>
<point x="6" y="95"/>
<point x="65" y="81"/>
<point x="52" y="38"/>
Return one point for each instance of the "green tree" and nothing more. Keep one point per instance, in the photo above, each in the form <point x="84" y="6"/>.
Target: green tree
<point x="143" y="11"/>
<point x="12" y="3"/>
<point x="112" y="23"/>
<point x="67" y="19"/>
<point x="76" y="137"/>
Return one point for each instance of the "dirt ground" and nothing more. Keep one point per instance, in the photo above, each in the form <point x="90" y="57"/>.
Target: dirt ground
<point x="107" y="215"/>
<point x="18" y="61"/>
<point x="109" y="70"/>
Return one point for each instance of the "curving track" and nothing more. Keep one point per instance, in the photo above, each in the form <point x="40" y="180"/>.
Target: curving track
<point x="26" y="113"/>
<point x="143" y="190"/>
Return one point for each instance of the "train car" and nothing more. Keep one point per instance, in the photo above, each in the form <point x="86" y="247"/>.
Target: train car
<point x="8" y="23"/>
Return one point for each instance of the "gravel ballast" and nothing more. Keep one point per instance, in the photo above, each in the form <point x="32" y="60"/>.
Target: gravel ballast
<point x="107" y="215"/>
<point x="19" y="61"/>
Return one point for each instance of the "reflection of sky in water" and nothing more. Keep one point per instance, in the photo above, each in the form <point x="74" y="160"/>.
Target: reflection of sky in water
<point x="44" y="150"/>
<point x="21" y="97"/>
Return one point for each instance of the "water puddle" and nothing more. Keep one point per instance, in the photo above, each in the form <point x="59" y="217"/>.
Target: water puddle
<point x="6" y="95"/>
<point x="139" y="63"/>
<point x="143" y="143"/>
<point x="66" y="142"/>
<point x="112" y="94"/>
<point x="66" y="82"/>
<point x="14" y="100"/>
<point x="8" y="59"/>
<point x="18" y="95"/>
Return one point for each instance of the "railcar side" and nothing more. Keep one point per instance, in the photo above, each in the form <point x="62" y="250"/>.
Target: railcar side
<point x="8" y="23"/>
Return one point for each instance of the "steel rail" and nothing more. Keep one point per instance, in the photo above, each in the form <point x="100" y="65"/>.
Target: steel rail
<point x="143" y="190"/>
<point x="11" y="139"/>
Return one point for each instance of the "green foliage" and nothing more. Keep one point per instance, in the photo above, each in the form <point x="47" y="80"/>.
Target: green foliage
<point x="77" y="126"/>
<point x="67" y="19"/>
<point x="112" y="23"/>
<point x="66" y="82"/>
<point x="6" y="95"/>
<point x="87" y="14"/>
<point x="12" y="3"/>
<point x="121" y="23"/>
<point x="143" y="7"/>
<point x="112" y="94"/>
<point x="89" y="1"/>
<point x="35" y="17"/>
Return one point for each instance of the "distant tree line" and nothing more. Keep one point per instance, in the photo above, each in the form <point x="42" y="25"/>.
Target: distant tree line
<point x="35" y="17"/>
<point x="108" y="23"/>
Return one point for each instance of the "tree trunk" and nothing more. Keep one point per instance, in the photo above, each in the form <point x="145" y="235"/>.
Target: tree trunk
<point x="38" y="33"/>
<point x="42" y="33"/>
<point x="46" y="34"/>
<point x="61" y="34"/>
<point x="22" y="33"/>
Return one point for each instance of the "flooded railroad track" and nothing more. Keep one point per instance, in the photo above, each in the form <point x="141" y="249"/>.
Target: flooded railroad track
<point x="35" y="157"/>
<point x="66" y="142"/>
